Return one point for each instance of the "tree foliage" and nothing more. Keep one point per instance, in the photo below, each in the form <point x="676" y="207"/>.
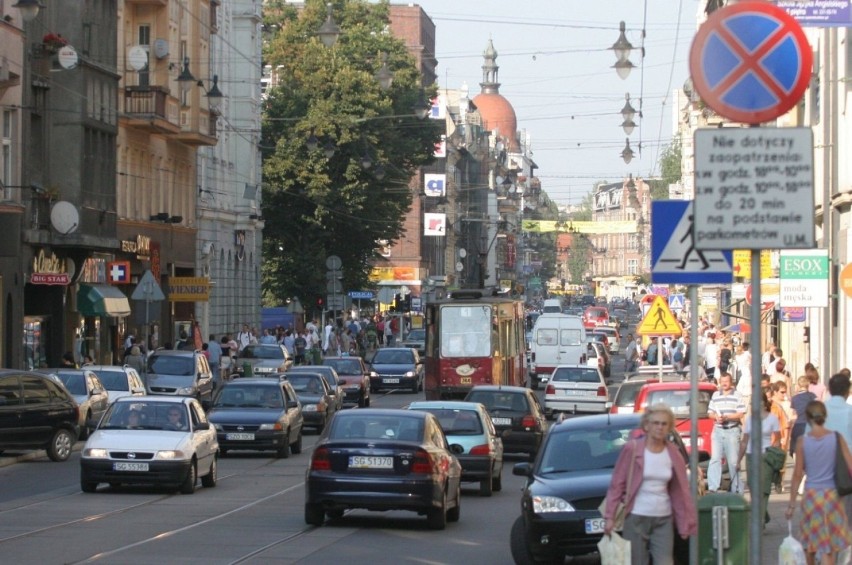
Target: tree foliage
<point x="670" y="171"/>
<point x="315" y="205"/>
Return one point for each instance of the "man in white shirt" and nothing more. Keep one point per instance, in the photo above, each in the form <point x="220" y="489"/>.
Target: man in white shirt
<point x="727" y="410"/>
<point x="244" y="337"/>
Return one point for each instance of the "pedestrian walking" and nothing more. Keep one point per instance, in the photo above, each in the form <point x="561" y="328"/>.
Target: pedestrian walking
<point x="300" y="344"/>
<point x="214" y="351"/>
<point x="780" y="407"/>
<point x="770" y="430"/>
<point x="659" y="502"/>
<point x="798" y="404"/>
<point x="823" y="529"/>
<point x="243" y="339"/>
<point x="631" y="355"/>
<point x="839" y="418"/>
<point x="727" y="410"/>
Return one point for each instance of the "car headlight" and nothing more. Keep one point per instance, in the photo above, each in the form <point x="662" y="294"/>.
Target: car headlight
<point x="276" y="426"/>
<point x="96" y="453"/>
<point x="544" y="504"/>
<point x="170" y="455"/>
<point x="409" y="374"/>
<point x="374" y="375"/>
<point x="187" y="390"/>
<point x="309" y="407"/>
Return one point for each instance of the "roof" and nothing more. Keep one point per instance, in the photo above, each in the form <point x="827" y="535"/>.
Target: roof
<point x="597" y="421"/>
<point x="680" y="385"/>
<point x="500" y="388"/>
<point x="154" y="398"/>
<point x="447" y="404"/>
<point x="379" y="412"/>
<point x="258" y="381"/>
<point x="498" y="114"/>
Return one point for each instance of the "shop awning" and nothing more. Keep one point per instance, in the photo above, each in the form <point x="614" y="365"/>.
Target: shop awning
<point x="102" y="300"/>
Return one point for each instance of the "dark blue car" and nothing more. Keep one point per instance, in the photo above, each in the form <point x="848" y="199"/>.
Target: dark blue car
<point x="396" y="368"/>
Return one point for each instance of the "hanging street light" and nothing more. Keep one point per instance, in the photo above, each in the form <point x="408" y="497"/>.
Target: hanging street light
<point x="329" y="31"/>
<point x="622" y="49"/>
<point x="29" y="8"/>
<point x="627" y="152"/>
<point x="384" y="76"/>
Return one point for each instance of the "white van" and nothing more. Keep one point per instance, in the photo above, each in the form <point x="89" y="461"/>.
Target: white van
<point x="557" y="339"/>
<point x="552" y="306"/>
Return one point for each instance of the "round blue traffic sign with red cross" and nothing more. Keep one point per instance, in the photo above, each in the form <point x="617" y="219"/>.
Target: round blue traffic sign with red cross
<point x="750" y="62"/>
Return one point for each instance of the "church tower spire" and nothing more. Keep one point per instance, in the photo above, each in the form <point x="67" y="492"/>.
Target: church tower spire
<point x="489" y="83"/>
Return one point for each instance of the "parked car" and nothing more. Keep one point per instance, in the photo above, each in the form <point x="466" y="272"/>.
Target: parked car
<point x="383" y="459"/>
<point x="314" y="394"/>
<point x="624" y="400"/>
<point x="613" y="337"/>
<point x="180" y="373"/>
<point x="138" y="441"/>
<point x="395" y="368"/>
<point x="416" y="339"/>
<point x="598" y="356"/>
<point x="576" y="388"/>
<point x="87" y="390"/>
<point x="354" y="378"/>
<point x="469" y="425"/>
<point x="119" y="380"/>
<point x="258" y="415"/>
<point x="516" y="413"/>
<point x="595" y="316"/>
<point x="565" y="486"/>
<point x="329" y="374"/>
<point x="37" y="412"/>
<point x="263" y="359"/>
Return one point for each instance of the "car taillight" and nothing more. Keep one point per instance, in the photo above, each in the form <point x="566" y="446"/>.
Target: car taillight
<point x="550" y="389"/>
<point x="320" y="460"/>
<point x="483" y="449"/>
<point x="422" y="463"/>
<point x="601" y="391"/>
<point x="528" y="421"/>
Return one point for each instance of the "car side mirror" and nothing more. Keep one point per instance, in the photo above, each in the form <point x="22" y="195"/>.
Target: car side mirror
<point x="202" y="426"/>
<point x="522" y="469"/>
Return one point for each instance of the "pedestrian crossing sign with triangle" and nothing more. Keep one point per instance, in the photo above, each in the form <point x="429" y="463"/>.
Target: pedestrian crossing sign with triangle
<point x="674" y="259"/>
<point x="659" y="320"/>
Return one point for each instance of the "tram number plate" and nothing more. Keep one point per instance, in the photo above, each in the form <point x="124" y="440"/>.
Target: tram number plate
<point x="363" y="462"/>
<point x="239" y="437"/>
<point x="595" y="525"/>
<point x="465" y="380"/>
<point x="129" y="466"/>
<point x="502" y="421"/>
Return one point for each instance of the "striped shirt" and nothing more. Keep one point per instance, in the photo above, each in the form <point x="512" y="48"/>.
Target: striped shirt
<point x="727" y="405"/>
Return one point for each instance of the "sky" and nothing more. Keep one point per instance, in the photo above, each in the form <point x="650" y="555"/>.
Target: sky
<point x="555" y="67"/>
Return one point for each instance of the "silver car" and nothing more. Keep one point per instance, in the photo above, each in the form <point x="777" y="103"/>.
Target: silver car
<point x="119" y="380"/>
<point x="87" y="390"/>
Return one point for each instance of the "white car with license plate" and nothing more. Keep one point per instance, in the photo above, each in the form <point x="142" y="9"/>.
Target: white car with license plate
<point x="576" y="388"/>
<point x="151" y="440"/>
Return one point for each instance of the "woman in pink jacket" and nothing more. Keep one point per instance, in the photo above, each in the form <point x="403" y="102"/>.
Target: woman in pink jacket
<point x="658" y="499"/>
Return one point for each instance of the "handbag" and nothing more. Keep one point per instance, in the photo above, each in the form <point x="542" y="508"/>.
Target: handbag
<point x="621" y="507"/>
<point x="842" y="479"/>
<point x="614" y="550"/>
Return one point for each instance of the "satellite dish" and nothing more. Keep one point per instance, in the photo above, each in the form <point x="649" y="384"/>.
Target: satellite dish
<point x="459" y="266"/>
<point x="64" y="217"/>
<point x="137" y="58"/>
<point x="67" y="57"/>
<point x="161" y="48"/>
<point x="462" y="252"/>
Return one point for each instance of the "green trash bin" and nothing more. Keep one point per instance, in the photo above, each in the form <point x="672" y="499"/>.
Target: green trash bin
<point x="723" y="520"/>
<point x="248" y="371"/>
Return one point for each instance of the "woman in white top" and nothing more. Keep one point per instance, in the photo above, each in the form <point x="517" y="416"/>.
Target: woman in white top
<point x="770" y="429"/>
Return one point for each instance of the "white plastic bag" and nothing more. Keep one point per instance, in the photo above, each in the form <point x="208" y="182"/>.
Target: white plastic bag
<point x="791" y="551"/>
<point x="614" y="550"/>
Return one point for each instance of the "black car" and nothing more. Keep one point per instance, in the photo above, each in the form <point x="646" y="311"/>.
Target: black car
<point x="331" y="377"/>
<point x="258" y="414"/>
<point x="384" y="459"/>
<point x="566" y="484"/>
<point x="315" y="395"/>
<point x="397" y="368"/>
<point x="517" y="415"/>
<point x="37" y="412"/>
<point x="354" y="378"/>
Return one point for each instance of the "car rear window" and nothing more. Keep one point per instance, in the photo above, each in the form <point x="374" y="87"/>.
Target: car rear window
<point x="113" y="380"/>
<point x="377" y="427"/>
<point x="627" y="393"/>
<point x="74" y="382"/>
<point x="576" y="375"/>
<point x="500" y="400"/>
<point x="678" y="401"/>
<point x="457" y="422"/>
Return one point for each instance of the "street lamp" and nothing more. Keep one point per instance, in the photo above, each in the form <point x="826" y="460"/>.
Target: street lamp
<point x="329" y="31"/>
<point x="622" y="49"/>
<point x="627" y="113"/>
<point x="384" y="76"/>
<point x="627" y="152"/>
<point x="421" y="105"/>
<point x="29" y="9"/>
<point x="185" y="78"/>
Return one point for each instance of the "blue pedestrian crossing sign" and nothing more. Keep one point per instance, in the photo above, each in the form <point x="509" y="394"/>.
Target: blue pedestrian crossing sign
<point x="674" y="259"/>
<point x="677" y="302"/>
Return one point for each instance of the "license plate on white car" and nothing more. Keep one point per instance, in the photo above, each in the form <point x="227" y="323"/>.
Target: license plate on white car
<point x="595" y="525"/>
<point x="239" y="437"/>
<point x="129" y="466"/>
<point x="580" y="392"/>
<point x="502" y="421"/>
<point x="367" y="462"/>
<point x="390" y="381"/>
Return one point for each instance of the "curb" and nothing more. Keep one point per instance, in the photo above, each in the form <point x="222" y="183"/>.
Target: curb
<point x="6" y="461"/>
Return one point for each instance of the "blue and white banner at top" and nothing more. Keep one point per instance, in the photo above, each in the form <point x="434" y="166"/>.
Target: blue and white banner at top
<point x="434" y="185"/>
<point x="819" y="13"/>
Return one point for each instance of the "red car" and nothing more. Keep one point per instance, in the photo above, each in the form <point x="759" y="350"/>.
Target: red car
<point x="675" y="395"/>
<point x="595" y="316"/>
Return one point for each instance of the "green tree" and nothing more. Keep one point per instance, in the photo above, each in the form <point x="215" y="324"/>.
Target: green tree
<point x="670" y="171"/>
<point x="316" y="205"/>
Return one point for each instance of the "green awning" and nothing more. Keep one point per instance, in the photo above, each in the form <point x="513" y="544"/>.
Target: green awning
<point x="102" y="300"/>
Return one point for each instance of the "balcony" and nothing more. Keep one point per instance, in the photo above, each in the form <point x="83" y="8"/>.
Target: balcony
<point x="147" y="108"/>
<point x="197" y="128"/>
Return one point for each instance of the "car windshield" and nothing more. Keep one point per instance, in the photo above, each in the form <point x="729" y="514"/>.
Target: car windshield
<point x="416" y="335"/>
<point x="171" y="365"/>
<point x="74" y="382"/>
<point x="249" y="396"/>
<point x="391" y="357"/>
<point x="113" y="380"/>
<point x="500" y="400"/>
<point x="583" y="449"/>
<point x="627" y="393"/>
<point x="457" y="422"/>
<point x="312" y="384"/>
<point x="376" y="427"/>
<point x="262" y="352"/>
<point x="344" y="366"/>
<point x="577" y="375"/>
<point x="678" y="401"/>
<point x="145" y="415"/>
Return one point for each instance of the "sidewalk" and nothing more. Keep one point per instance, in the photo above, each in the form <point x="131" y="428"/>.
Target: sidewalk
<point x="776" y="529"/>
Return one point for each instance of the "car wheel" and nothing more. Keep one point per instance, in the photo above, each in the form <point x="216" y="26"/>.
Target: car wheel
<point x="335" y="513"/>
<point x="60" y="446"/>
<point x="454" y="513"/>
<point x="188" y="486"/>
<point x="209" y="480"/>
<point x="314" y="514"/>
<point x="518" y="544"/>
<point x="436" y="518"/>
<point x="283" y="450"/>
<point x="486" y="485"/>
<point x="88" y="486"/>
<point x="296" y="447"/>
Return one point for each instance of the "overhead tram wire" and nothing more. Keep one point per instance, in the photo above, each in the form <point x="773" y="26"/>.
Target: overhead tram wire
<point x="668" y="88"/>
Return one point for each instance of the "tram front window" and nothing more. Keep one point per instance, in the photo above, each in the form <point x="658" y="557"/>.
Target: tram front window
<point x="465" y="331"/>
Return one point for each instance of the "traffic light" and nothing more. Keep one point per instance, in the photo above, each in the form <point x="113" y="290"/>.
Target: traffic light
<point x="319" y="302"/>
<point x="406" y="303"/>
<point x="397" y="303"/>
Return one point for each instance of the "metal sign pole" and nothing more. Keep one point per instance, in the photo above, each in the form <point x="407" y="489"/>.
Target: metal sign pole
<point x="693" y="409"/>
<point x="755" y="484"/>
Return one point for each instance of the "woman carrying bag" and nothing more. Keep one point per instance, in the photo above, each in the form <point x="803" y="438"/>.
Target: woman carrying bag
<point x="770" y="430"/>
<point x="823" y="529"/>
<point x="658" y="493"/>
